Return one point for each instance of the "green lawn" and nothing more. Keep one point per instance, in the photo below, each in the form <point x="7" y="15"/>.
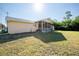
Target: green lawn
<point x="53" y="43"/>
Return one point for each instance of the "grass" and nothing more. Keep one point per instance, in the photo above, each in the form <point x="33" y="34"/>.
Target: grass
<point x="37" y="44"/>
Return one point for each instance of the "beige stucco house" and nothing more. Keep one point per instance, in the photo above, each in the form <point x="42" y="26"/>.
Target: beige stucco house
<point x="17" y="25"/>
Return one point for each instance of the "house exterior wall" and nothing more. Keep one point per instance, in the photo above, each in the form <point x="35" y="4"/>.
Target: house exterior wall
<point x="20" y="27"/>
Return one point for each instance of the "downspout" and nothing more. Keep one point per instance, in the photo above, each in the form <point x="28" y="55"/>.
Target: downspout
<point x="42" y="26"/>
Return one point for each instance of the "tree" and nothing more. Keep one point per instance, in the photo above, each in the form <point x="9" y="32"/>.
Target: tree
<point x="67" y="20"/>
<point x="68" y="14"/>
<point x="75" y="23"/>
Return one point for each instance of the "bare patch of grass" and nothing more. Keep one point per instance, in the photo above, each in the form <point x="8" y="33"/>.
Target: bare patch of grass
<point x="54" y="43"/>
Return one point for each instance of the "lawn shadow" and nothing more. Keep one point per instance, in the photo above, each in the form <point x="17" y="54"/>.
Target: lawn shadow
<point x="45" y="37"/>
<point x="50" y="37"/>
<point x="10" y="37"/>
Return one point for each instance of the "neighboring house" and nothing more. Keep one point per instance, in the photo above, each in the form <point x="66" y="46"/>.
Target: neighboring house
<point x="17" y="25"/>
<point x="2" y="27"/>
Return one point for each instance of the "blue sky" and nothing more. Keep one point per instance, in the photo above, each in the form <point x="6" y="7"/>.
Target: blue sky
<point x="27" y="11"/>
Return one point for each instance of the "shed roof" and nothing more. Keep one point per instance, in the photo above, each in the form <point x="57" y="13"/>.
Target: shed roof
<point x="18" y="19"/>
<point x="48" y="20"/>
